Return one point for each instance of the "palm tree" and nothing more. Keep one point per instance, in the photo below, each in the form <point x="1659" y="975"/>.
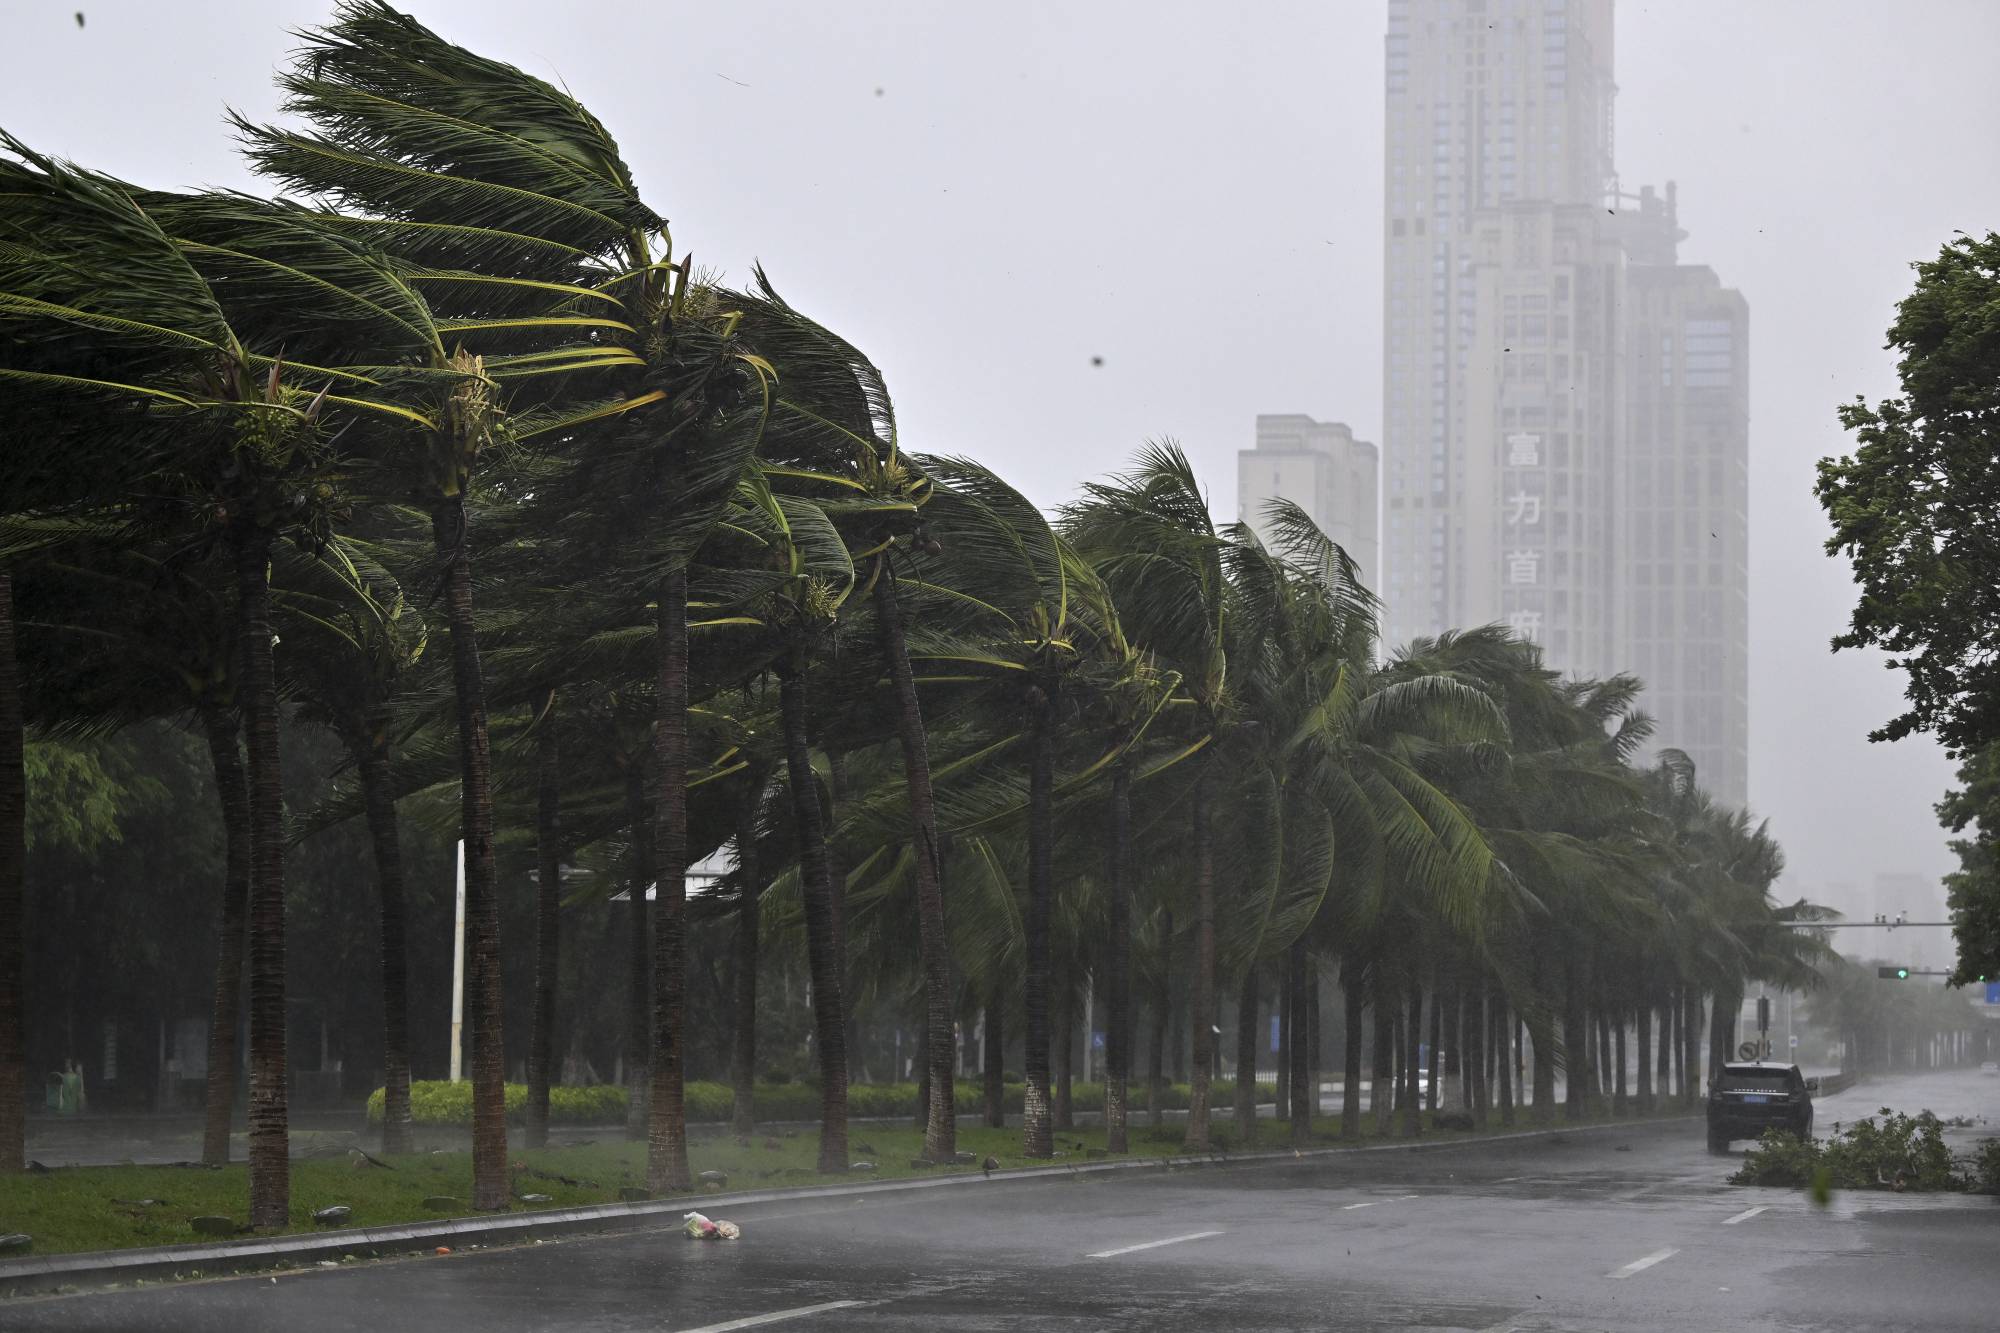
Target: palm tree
<point x="350" y="644"/>
<point x="248" y="458"/>
<point x="832" y="434"/>
<point x="512" y="205"/>
<point x="548" y="918"/>
<point x="1150" y="537"/>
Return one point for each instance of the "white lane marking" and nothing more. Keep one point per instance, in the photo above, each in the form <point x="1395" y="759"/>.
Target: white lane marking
<point x="1151" y="1245"/>
<point x="1350" y="1207"/>
<point x="776" y="1316"/>
<point x="1745" y="1215"/>
<point x="1641" y="1265"/>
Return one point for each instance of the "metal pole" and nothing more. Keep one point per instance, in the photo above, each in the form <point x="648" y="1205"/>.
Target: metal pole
<point x="458" y="974"/>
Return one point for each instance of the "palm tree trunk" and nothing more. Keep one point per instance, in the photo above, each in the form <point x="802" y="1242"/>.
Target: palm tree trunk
<point x="1472" y="1060"/>
<point x="1691" y="1042"/>
<point x="1665" y="1058"/>
<point x="548" y="920"/>
<point x="1118" y="965"/>
<point x="1448" y="1049"/>
<point x="1246" y="1057"/>
<point x="1603" y="1070"/>
<point x="822" y="944"/>
<point x="750" y="881"/>
<point x="482" y="899"/>
<point x="1062" y="1050"/>
<point x="1282" y="1012"/>
<point x="1156" y="1073"/>
<point x="270" y="1157"/>
<point x="1382" y="1085"/>
<point x="993" y="1060"/>
<point x="1413" y="1044"/>
<point x="226" y="758"/>
<point x="1645" y="1069"/>
<point x="1618" y="1103"/>
<point x="1356" y="1004"/>
<point x="1576" y="1045"/>
<point x="836" y="874"/>
<point x="1437" y="1043"/>
<point x="13" y="898"/>
<point x="933" y="943"/>
<point x="1163" y="1026"/>
<point x="1545" y="1074"/>
<point x="379" y="798"/>
<point x="1722" y="1014"/>
<point x="1036" y="1138"/>
<point x="1503" y="1029"/>
<point x="1310" y="1023"/>
<point x="666" y="1132"/>
<point x="1202" y="1002"/>
<point x="1299" y="1110"/>
<point x="638" y="955"/>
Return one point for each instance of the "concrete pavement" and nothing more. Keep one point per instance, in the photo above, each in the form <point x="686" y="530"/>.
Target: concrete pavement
<point x="1626" y="1229"/>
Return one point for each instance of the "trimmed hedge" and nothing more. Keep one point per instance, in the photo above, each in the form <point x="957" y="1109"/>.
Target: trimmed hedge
<point x="445" y="1104"/>
<point x="442" y="1102"/>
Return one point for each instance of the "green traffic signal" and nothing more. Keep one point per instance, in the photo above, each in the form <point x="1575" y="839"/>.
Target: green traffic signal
<point x="1893" y="973"/>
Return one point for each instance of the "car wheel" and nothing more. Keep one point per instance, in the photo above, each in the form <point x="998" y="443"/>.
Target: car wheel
<point x="1717" y="1143"/>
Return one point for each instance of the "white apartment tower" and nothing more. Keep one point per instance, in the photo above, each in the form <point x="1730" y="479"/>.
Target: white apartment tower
<point x="1322" y="468"/>
<point x="1523" y="304"/>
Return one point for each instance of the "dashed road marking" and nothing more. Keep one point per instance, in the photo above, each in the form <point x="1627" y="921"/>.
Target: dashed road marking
<point x="1745" y="1215"/>
<point x="1641" y="1265"/>
<point x="776" y="1316"/>
<point x="1151" y="1245"/>
<point x="1350" y="1207"/>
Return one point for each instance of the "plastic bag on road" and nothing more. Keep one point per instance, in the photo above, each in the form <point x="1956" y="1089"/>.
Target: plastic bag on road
<point x="699" y="1227"/>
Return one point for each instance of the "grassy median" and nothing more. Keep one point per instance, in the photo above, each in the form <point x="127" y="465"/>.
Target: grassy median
<point x="114" y="1207"/>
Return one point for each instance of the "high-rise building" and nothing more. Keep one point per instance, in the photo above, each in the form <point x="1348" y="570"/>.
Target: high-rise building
<point x="1684" y="580"/>
<point x="1320" y="467"/>
<point x="1565" y="404"/>
<point x="1498" y="161"/>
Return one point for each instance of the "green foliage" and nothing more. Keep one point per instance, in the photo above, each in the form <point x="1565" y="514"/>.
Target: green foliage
<point x="76" y="800"/>
<point x="1984" y="1173"/>
<point x="1911" y="506"/>
<point x="1899" y="1152"/>
<point x="1973" y="890"/>
<point x="440" y="1103"/>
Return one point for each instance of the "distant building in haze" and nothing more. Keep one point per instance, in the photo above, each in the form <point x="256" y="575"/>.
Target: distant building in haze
<point x="1565" y="404"/>
<point x="1684" y="575"/>
<point x="1320" y="467"/>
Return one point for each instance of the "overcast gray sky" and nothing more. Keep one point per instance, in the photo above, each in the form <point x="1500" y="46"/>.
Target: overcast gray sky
<point x="988" y="196"/>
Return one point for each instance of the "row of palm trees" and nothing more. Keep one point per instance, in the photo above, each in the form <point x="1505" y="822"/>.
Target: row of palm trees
<point x="457" y="374"/>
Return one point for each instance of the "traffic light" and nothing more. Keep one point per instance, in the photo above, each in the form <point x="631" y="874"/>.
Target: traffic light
<point x="1893" y="973"/>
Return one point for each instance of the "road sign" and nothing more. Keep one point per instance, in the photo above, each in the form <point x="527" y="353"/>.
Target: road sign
<point x="1993" y="992"/>
<point x="1795" y="1041"/>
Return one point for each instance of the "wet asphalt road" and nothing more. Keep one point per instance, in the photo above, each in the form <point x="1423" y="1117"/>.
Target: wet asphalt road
<point x="1629" y="1229"/>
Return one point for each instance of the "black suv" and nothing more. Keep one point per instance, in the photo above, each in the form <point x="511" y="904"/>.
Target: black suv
<point x="1755" y="1095"/>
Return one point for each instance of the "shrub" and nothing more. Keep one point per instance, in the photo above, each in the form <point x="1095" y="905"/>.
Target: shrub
<point x="439" y="1103"/>
<point x="1985" y="1167"/>
<point x="1900" y="1152"/>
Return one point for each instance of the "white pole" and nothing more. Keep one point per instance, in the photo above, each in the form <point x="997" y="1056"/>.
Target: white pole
<point x="458" y="974"/>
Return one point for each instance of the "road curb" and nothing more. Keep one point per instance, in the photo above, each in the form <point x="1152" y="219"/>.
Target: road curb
<point x="102" y="1268"/>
